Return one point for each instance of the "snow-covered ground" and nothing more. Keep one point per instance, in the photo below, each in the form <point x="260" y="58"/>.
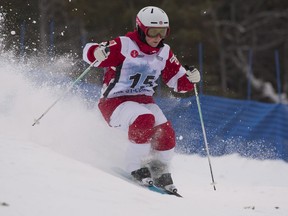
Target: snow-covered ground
<point x="69" y="164"/>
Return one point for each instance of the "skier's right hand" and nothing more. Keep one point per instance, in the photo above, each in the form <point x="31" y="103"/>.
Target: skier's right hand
<point x="102" y="52"/>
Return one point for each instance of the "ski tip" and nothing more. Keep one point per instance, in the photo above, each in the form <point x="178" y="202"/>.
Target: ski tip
<point x="173" y="193"/>
<point x="177" y="194"/>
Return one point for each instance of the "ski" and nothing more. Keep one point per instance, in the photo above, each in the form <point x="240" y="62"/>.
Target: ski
<point x="153" y="188"/>
<point x="174" y="193"/>
<point x="124" y="175"/>
<point x="164" y="191"/>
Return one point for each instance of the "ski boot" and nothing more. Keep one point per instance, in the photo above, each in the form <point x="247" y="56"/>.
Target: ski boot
<point x="161" y="176"/>
<point x="165" y="181"/>
<point x="143" y="176"/>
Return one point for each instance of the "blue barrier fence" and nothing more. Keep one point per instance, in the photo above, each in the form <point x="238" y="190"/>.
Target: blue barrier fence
<point x="249" y="128"/>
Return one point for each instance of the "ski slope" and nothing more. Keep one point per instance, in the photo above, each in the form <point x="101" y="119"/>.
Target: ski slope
<point x="68" y="164"/>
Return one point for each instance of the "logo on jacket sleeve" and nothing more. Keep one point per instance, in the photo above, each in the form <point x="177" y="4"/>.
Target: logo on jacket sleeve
<point x="174" y="59"/>
<point x="134" y="53"/>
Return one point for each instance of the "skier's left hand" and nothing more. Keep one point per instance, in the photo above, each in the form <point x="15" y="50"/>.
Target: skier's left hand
<point x="192" y="74"/>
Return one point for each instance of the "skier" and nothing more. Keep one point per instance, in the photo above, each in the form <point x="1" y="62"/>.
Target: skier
<point x="133" y="64"/>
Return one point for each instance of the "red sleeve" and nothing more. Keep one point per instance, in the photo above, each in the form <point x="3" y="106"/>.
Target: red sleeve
<point x="171" y="68"/>
<point x="115" y="57"/>
<point x="184" y="84"/>
<point x="90" y="53"/>
<point x="174" y="75"/>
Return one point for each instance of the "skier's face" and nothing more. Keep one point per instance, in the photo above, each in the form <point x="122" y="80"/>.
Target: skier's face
<point x="153" y="41"/>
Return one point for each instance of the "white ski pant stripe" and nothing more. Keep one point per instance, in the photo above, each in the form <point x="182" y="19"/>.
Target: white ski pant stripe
<point x="126" y="113"/>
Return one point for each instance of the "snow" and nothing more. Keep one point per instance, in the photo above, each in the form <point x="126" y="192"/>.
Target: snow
<point x="36" y="180"/>
<point x="69" y="164"/>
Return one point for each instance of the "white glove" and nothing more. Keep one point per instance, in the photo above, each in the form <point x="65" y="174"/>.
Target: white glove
<point x="192" y="74"/>
<point x="102" y="52"/>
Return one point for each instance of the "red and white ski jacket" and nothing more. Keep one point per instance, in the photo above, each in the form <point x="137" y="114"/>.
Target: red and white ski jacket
<point x="133" y="68"/>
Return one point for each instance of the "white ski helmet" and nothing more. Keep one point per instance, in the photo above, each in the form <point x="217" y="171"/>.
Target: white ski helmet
<point x="151" y="16"/>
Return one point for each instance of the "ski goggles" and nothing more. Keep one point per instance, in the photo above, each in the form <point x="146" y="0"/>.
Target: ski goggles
<point x="154" y="32"/>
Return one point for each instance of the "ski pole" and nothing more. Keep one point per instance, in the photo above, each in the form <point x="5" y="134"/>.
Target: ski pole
<point x="204" y="134"/>
<point x="37" y="121"/>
